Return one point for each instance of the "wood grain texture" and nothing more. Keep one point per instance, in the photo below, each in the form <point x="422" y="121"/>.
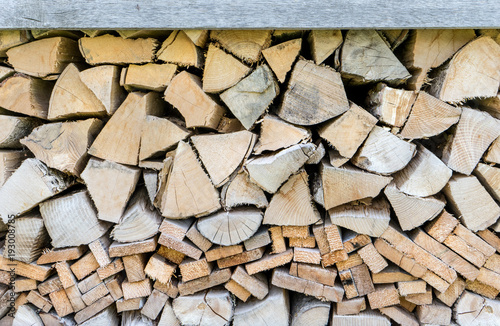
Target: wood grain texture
<point x="289" y="14"/>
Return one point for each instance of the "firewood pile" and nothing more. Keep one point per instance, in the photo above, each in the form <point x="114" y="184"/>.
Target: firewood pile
<point x="250" y="177"/>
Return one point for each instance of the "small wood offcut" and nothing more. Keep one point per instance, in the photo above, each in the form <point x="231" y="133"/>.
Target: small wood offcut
<point x="249" y="177"/>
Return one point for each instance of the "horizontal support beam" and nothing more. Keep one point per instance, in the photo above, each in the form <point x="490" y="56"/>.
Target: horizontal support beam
<point x="248" y="14"/>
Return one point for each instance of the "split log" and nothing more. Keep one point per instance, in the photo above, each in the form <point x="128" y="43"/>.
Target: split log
<point x="245" y="44"/>
<point x="10" y="160"/>
<point x="184" y="90"/>
<point x="123" y="305"/>
<point x="307" y="255"/>
<point x="135" y="267"/>
<point x="238" y="291"/>
<point x="15" y="128"/>
<point x="306" y="310"/>
<point x="356" y="184"/>
<point x="481" y="289"/>
<point x="55" y="255"/>
<point x="240" y="191"/>
<point x="276" y="134"/>
<point x="469" y="200"/>
<point x="367" y="317"/>
<point x="110" y="185"/>
<point x="222" y="70"/>
<point x="61" y="303"/>
<point x="189" y="191"/>
<point x="282" y="56"/>
<point x="411" y="287"/>
<point x="383" y="152"/>
<point x="107" y="317"/>
<point x="463" y="150"/>
<point x="385" y="295"/>
<point x="139" y="289"/>
<point x="365" y="219"/>
<point x="251" y="96"/>
<point x="413" y="211"/>
<point x="493" y="154"/>
<point x="26" y="95"/>
<point x="353" y="241"/>
<point x="366" y="58"/>
<point x="116" y="50"/>
<point x="476" y="63"/>
<point x="44" y="57"/>
<point x="260" y="239"/>
<point x="180" y="50"/>
<point x="490" y="105"/>
<point x="292" y="205"/>
<point x="122" y="128"/>
<point x="65" y="217"/>
<point x="30" y="240"/>
<point x="95" y="294"/>
<point x="424" y="176"/>
<point x="16" y="198"/>
<point x="63" y="145"/>
<point x="323" y="43"/>
<point x="93" y="309"/>
<point x="347" y="132"/>
<point x="400" y="315"/>
<point x="255" y="284"/>
<point x="231" y="227"/>
<point x="168" y="317"/>
<point x="85" y="266"/>
<point x="198" y="36"/>
<point x="159" y="135"/>
<point x="71" y="98"/>
<point x="184" y="247"/>
<point x="25" y="315"/>
<point x="269" y="262"/>
<point x="151" y="76"/>
<point x="278" y="241"/>
<point x="490" y="179"/>
<point x="12" y="38"/>
<point x="221" y="154"/>
<point x="315" y="94"/>
<point x="392" y="274"/>
<point x="104" y="82"/>
<point x="426" y="49"/>
<point x="270" y="171"/>
<point x="139" y="221"/>
<point x="198" y="239"/>
<point x="191" y="269"/>
<point x="39" y="301"/>
<point x="154" y="304"/>
<point x="351" y="306"/>
<point x="472" y="309"/>
<point x="442" y="226"/>
<point x="117" y="249"/>
<point x="375" y="262"/>
<point x="390" y="105"/>
<point x="89" y="283"/>
<point x="452" y="293"/>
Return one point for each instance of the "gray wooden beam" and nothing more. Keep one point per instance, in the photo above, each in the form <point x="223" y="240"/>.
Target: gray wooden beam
<point x="245" y="14"/>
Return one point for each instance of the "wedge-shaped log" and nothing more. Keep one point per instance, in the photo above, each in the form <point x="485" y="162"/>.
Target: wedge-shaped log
<point x="10" y="160"/>
<point x="469" y="200"/>
<point x="151" y="76"/>
<point x="292" y="204"/>
<point x="32" y="183"/>
<point x="230" y="227"/>
<point x="44" y="57"/>
<point x="270" y="171"/>
<point x="240" y="191"/>
<point x="245" y="44"/>
<point x="189" y="191"/>
<point x="274" y="309"/>
<point x="323" y="43"/>
<point x="347" y="132"/>
<point x="221" y="154"/>
<point x="470" y="310"/>
<point x="68" y="141"/>
<point x="308" y="310"/>
<point x="71" y="98"/>
<point x="370" y="219"/>
<point x="251" y="97"/>
<point x="391" y="105"/>
<point x="474" y="71"/>
<point x="216" y="308"/>
<point x="356" y="184"/>
<point x="140" y="220"/>
<point x="31" y="239"/>
<point x="413" y="211"/>
<point x="424" y="176"/>
<point x="429" y="116"/>
<point x="120" y="139"/>
<point x="158" y="135"/>
<point x="12" y="38"/>
<point x="221" y="70"/>
<point x="71" y="220"/>
<point x="315" y="94"/>
<point x="179" y="49"/>
<point x="367" y="58"/>
<point x="464" y="150"/>
<point x="197" y="108"/>
<point x="281" y="57"/>
<point x="110" y="185"/>
<point x="104" y="82"/>
<point x="493" y="154"/>
<point x="26" y="95"/>
<point x="490" y="179"/>
<point x="383" y="152"/>
<point x="276" y="134"/>
<point x="15" y="128"/>
<point x="117" y="50"/>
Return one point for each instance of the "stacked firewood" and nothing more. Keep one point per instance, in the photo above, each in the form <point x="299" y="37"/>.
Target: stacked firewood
<point x="250" y="177"/>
